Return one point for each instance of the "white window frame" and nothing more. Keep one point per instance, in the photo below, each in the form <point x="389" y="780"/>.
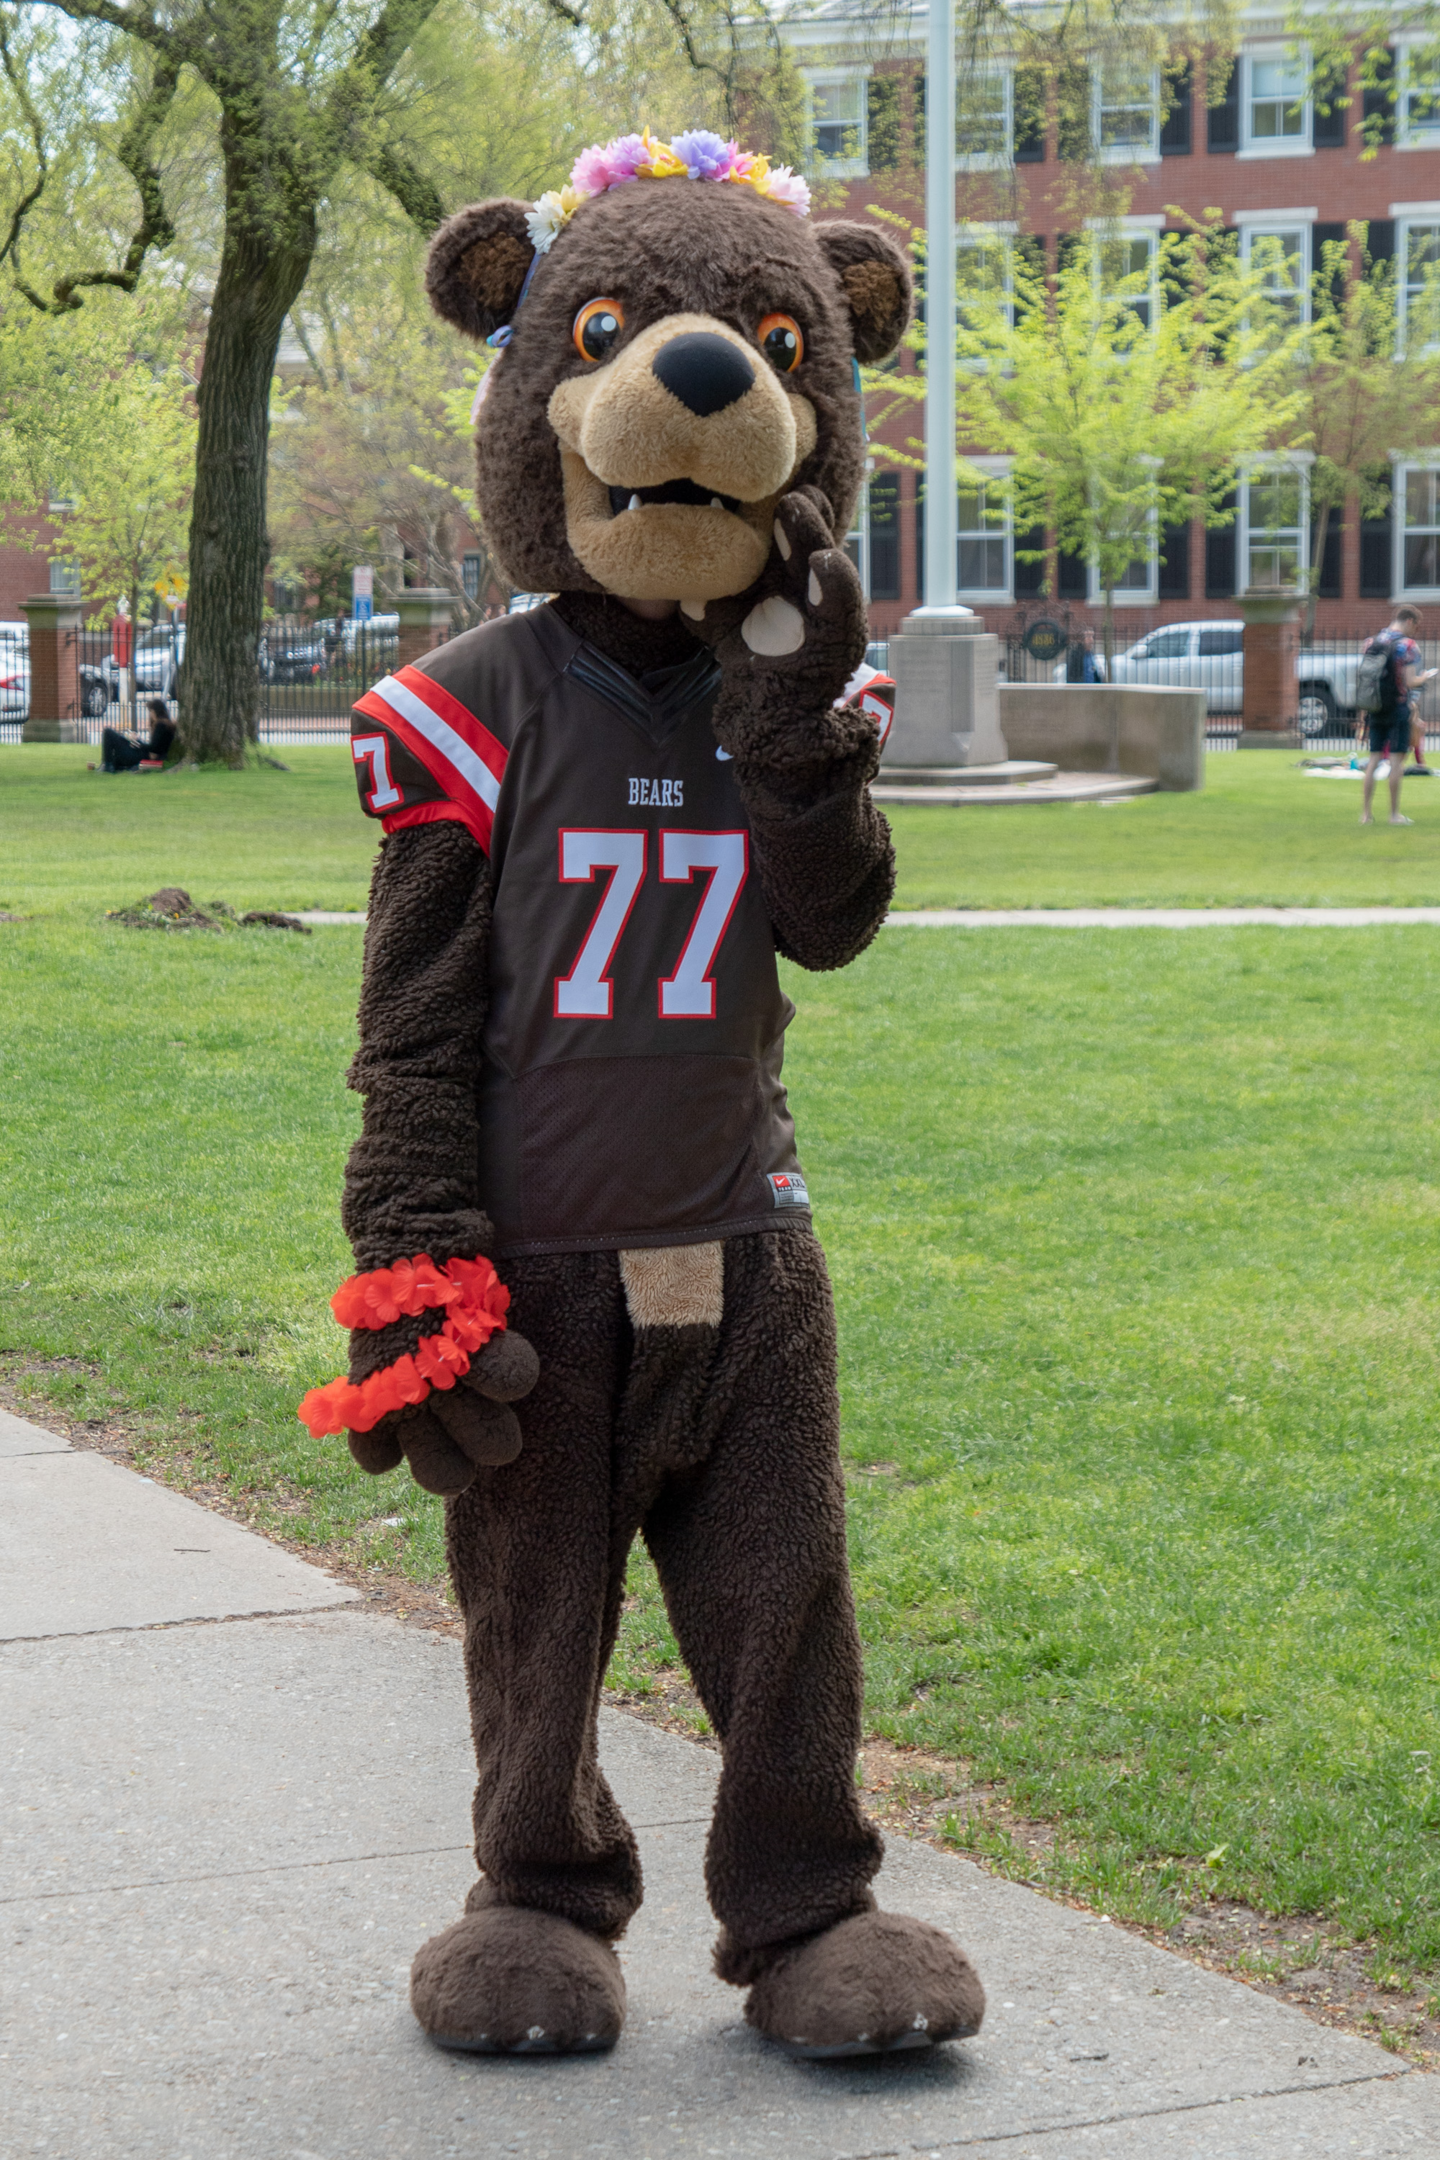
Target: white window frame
<point x="972" y="237"/>
<point x="1407" y="216"/>
<point x="1148" y="228"/>
<point x="1406" y="137"/>
<point x="990" y="468"/>
<point x="1147" y="153"/>
<point x="1278" y="224"/>
<point x="1146" y="595"/>
<point x="991" y="160"/>
<point x="1400" y="467"/>
<point x="1272" y="146"/>
<point x="1299" y="462"/>
<point x="856" y="168"/>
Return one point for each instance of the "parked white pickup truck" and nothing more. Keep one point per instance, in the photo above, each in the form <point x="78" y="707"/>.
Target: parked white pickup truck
<point x="1209" y="656"/>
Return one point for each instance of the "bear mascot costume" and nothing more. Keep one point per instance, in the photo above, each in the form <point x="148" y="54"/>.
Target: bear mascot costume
<point x="603" y="819"/>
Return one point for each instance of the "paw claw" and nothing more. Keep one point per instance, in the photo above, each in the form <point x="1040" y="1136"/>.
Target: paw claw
<point x="814" y="592"/>
<point x="782" y="542"/>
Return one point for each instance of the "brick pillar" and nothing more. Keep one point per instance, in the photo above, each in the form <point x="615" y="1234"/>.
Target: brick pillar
<point x="54" y="620"/>
<point x="1270" y="714"/>
<point x="425" y="617"/>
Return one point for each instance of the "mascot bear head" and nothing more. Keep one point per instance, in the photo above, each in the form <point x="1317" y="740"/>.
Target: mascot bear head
<point x="678" y="351"/>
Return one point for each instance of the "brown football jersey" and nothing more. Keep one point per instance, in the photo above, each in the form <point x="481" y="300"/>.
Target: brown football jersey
<point x="631" y="1091"/>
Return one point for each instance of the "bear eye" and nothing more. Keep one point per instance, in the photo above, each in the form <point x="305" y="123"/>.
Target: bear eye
<point x="780" y="340"/>
<point x="597" y="326"/>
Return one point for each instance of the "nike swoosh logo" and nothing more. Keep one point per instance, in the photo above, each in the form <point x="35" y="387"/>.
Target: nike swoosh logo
<point x="723" y="755"/>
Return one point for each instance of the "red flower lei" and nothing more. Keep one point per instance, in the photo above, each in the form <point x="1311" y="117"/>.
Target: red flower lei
<point x="476" y="1302"/>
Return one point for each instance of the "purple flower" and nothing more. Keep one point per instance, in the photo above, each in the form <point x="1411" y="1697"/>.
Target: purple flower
<point x="703" y="154"/>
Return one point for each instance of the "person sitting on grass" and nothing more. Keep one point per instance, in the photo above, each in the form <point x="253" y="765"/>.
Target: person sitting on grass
<point x="1390" y="728"/>
<point x="122" y="753"/>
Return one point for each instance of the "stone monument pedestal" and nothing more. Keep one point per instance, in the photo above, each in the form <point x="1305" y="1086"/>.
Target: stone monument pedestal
<point x="947" y="707"/>
<point x="1270" y="709"/>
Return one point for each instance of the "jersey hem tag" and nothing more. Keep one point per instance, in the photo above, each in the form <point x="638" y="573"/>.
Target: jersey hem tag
<point x="787" y="1188"/>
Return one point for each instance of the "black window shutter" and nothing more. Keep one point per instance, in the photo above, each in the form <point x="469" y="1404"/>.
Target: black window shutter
<point x="1327" y="128"/>
<point x="1378" y="103"/>
<point x="1029" y="108"/>
<point x="884" y="493"/>
<point x="1322" y="236"/>
<point x="1220" y="557"/>
<point x="1174" y="583"/>
<point x="1029" y="576"/>
<point x="919" y="543"/>
<point x="1074" y="128"/>
<point x="1222" y="121"/>
<point x="1067" y="247"/>
<point x="1072" y="581"/>
<point x="882" y="95"/>
<point x="1180" y="97"/>
<point x="1375" y="558"/>
<point x="1328" y="586"/>
<point x="1380" y="240"/>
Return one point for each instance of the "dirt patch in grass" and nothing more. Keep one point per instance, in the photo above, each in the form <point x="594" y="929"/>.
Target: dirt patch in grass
<point x="1301" y="1960"/>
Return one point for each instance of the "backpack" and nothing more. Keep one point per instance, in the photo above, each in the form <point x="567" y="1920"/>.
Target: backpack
<point x="1377" y="688"/>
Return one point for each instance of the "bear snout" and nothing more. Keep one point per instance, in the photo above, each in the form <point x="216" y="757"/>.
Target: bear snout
<point x="704" y="371"/>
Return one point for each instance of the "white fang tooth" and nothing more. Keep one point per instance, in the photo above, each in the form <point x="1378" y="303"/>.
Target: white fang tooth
<point x="634" y="503"/>
<point x="715" y="503"/>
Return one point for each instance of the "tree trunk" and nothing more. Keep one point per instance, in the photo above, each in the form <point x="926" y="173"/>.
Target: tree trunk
<point x="1317" y="557"/>
<point x="263" y="267"/>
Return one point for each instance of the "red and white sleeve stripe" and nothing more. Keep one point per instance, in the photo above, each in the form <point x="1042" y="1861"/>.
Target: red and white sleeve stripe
<point x="456" y="749"/>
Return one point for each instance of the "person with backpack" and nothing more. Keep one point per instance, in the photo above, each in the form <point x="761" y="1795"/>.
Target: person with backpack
<point x="1385" y="684"/>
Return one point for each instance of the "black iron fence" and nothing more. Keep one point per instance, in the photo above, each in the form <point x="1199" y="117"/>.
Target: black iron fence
<point x="310" y="674"/>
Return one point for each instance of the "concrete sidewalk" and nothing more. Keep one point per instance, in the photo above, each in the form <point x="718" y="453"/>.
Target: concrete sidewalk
<point x="233" y="1803"/>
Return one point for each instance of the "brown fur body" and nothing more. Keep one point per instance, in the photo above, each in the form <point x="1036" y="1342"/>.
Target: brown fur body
<point x="685" y="1393"/>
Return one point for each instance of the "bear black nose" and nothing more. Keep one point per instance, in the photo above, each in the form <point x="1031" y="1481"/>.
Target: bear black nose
<point x="704" y="371"/>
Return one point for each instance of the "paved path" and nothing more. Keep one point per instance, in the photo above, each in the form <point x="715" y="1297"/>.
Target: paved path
<point x="232" y="1803"/>
<point x="1112" y="918"/>
<point x="1116" y="918"/>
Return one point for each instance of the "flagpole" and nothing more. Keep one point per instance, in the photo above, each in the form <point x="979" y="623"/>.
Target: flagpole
<point x="941" y="507"/>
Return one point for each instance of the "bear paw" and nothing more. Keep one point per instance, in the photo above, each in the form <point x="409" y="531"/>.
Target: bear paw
<point x="509" y="1981"/>
<point x="870" y="1984"/>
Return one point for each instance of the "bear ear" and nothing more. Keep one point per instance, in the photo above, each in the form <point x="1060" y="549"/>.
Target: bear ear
<point x="875" y="279"/>
<point x="477" y="265"/>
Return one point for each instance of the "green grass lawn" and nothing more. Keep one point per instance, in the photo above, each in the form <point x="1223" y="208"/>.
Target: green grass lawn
<point x="1135" y="1239"/>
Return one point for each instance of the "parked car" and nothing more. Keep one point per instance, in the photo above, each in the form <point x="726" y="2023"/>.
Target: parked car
<point x="14" y="670"/>
<point x="291" y="656"/>
<point x="1210" y="656"/>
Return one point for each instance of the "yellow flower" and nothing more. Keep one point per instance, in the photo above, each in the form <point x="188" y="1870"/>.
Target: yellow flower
<point x="661" y="162"/>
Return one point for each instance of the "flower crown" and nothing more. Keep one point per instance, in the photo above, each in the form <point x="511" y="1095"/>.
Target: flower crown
<point x="696" y="155"/>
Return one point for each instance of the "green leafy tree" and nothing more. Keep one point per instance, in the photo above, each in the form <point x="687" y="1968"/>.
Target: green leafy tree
<point x="1368" y="384"/>
<point x="1125" y="397"/>
<point x="132" y="473"/>
<point x="302" y="105"/>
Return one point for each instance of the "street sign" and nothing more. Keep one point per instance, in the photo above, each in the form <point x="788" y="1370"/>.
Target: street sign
<point x="362" y="592"/>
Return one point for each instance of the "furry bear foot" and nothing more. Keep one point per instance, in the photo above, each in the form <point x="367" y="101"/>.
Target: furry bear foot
<point x="509" y="1981"/>
<point x="870" y="1984"/>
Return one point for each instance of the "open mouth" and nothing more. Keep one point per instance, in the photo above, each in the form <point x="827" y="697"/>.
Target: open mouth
<point x="670" y="491"/>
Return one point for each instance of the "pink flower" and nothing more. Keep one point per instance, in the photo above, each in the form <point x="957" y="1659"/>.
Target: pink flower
<point x="786" y="187"/>
<point x="606" y="165"/>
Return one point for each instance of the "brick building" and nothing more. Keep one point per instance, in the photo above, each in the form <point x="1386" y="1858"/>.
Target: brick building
<point x="1118" y="153"/>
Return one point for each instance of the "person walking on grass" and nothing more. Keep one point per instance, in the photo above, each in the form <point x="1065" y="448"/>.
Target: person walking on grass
<point x="1400" y="679"/>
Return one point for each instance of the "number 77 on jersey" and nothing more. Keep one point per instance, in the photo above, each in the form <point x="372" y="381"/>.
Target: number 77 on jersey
<point x="723" y="858"/>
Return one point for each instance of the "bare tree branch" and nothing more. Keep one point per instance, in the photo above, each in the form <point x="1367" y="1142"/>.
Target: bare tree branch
<point x="418" y="197"/>
<point x="133" y="151"/>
